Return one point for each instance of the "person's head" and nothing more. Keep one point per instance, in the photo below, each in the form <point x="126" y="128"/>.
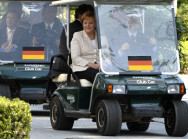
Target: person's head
<point x="17" y="6"/>
<point x="88" y="21"/>
<point x="133" y="23"/>
<point x="49" y="13"/>
<point x="82" y="9"/>
<point x="12" y="19"/>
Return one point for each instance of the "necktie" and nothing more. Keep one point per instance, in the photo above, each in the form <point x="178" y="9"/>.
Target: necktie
<point x="132" y="41"/>
<point x="49" y="27"/>
<point x="10" y="35"/>
<point x="132" y="38"/>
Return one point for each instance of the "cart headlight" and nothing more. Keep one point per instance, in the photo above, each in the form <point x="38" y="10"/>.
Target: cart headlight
<point x="119" y="89"/>
<point x="173" y="89"/>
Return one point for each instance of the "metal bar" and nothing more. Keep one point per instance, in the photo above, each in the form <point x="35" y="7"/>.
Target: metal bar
<point x="68" y="22"/>
<point x="97" y="24"/>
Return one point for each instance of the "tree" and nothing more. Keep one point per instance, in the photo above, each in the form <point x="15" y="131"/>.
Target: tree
<point x="182" y="20"/>
<point x="182" y="33"/>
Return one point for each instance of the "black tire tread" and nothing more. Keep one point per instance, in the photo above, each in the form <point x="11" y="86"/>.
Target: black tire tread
<point x="114" y="117"/>
<point x="181" y="116"/>
<point x="63" y="123"/>
<point x="5" y="91"/>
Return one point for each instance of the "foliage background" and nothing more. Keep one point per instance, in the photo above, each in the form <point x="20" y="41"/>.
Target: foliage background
<point x="182" y="33"/>
<point x="182" y="20"/>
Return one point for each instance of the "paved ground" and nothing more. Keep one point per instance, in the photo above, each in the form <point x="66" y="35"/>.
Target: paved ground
<point x="86" y="129"/>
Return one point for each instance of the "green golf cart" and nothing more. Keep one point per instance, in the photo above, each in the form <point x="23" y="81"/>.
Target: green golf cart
<point x="24" y="68"/>
<point x="136" y="83"/>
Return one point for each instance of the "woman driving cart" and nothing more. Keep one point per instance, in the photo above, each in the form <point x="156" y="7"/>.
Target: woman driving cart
<point x="84" y="49"/>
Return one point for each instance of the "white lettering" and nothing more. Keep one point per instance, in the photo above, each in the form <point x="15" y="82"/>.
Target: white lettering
<point x="29" y="68"/>
<point x="151" y="82"/>
<point x="140" y="77"/>
<point x="38" y="69"/>
<point x="145" y="82"/>
<point x="30" y="65"/>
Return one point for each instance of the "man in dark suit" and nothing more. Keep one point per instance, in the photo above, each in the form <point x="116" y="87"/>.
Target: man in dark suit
<point x="134" y="41"/>
<point x="130" y="41"/>
<point x="13" y="38"/>
<point x="47" y="33"/>
<point x="60" y="65"/>
<point x="73" y="27"/>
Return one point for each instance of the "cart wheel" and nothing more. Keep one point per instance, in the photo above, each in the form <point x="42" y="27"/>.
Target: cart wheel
<point x="5" y="91"/>
<point x="138" y="126"/>
<point x="176" y="119"/>
<point x="57" y="118"/>
<point x="109" y="117"/>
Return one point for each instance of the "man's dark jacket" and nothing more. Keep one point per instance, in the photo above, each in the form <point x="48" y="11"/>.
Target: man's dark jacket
<point x="21" y="38"/>
<point x="60" y="65"/>
<point x="42" y="34"/>
<point x="73" y="27"/>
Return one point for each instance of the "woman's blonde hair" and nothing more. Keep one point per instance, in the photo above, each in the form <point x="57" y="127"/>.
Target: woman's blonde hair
<point x="88" y="14"/>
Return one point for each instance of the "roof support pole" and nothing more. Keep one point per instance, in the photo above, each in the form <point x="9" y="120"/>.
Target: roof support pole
<point x="68" y="22"/>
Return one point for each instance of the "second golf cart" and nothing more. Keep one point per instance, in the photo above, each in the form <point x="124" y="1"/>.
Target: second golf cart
<point x="137" y="82"/>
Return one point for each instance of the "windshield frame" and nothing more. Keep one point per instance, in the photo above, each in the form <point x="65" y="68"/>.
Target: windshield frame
<point x="135" y="72"/>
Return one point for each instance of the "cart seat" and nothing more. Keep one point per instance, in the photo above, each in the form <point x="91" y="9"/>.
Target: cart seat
<point x="85" y="83"/>
<point x="63" y="78"/>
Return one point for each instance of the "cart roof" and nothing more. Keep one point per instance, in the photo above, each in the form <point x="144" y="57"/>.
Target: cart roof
<point x="78" y="2"/>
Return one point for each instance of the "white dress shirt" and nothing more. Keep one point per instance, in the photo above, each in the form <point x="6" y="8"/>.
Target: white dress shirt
<point x="51" y="25"/>
<point x="10" y="35"/>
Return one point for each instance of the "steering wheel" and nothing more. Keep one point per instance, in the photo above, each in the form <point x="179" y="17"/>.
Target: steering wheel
<point x="140" y="48"/>
<point x="47" y="37"/>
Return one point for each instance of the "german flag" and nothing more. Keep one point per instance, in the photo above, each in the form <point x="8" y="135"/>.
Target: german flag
<point x="33" y="53"/>
<point x="140" y="63"/>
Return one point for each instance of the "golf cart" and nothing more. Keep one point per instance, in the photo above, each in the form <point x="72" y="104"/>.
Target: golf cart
<point x="135" y="84"/>
<point x="24" y="69"/>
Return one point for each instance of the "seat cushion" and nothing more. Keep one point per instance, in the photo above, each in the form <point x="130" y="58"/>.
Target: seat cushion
<point x="63" y="78"/>
<point x="85" y="83"/>
<point x="60" y="78"/>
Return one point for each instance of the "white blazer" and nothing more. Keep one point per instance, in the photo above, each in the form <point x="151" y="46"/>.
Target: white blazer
<point x="83" y="51"/>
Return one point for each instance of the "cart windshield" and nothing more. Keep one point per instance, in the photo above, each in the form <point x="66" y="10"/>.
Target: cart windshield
<point x="29" y="31"/>
<point x="138" y="38"/>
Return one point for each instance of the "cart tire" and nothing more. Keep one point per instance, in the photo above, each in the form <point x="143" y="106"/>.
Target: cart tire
<point x="57" y="117"/>
<point x="5" y="91"/>
<point x="138" y="126"/>
<point x="109" y="117"/>
<point x="176" y="119"/>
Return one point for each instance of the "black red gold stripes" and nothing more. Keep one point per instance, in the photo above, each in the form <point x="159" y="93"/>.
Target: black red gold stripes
<point x="140" y="63"/>
<point x="33" y="53"/>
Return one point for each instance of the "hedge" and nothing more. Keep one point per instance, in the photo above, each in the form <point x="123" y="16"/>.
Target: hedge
<point x="15" y="119"/>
